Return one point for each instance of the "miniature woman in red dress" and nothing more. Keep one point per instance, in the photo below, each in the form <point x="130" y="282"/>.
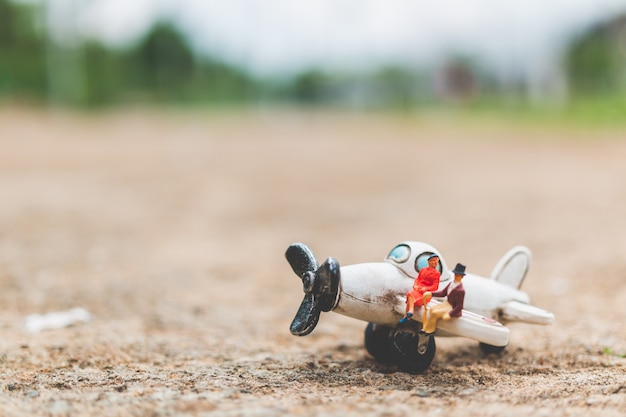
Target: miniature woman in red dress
<point x="427" y="281"/>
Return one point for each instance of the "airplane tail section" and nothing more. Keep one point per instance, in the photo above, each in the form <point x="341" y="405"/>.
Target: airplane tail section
<point x="516" y="311"/>
<point x="511" y="269"/>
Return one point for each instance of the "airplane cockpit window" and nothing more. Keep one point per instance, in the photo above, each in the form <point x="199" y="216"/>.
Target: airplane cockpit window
<point x="400" y="253"/>
<point x="422" y="261"/>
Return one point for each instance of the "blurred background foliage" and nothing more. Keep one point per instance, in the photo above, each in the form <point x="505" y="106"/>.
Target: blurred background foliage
<point x="162" y="68"/>
<point x="159" y="68"/>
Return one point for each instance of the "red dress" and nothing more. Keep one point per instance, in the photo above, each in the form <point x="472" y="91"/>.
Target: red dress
<point x="427" y="280"/>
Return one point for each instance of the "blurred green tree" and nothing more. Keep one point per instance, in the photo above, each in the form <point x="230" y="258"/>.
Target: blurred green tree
<point x="310" y="87"/>
<point x="162" y="62"/>
<point x="397" y="87"/>
<point x="163" y="67"/>
<point x="104" y="73"/>
<point x="596" y="62"/>
<point x="22" y="52"/>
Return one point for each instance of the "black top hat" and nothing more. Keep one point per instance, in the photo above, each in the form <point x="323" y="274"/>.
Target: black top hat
<point x="459" y="269"/>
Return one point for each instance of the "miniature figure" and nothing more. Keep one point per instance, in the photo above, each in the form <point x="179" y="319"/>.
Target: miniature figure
<point x="427" y="281"/>
<point x="452" y="307"/>
<point x="375" y="293"/>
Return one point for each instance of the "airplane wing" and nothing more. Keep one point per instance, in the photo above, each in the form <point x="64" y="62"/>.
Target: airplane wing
<point x="470" y="325"/>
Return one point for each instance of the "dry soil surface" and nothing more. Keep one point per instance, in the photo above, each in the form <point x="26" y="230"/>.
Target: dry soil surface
<point x="170" y="229"/>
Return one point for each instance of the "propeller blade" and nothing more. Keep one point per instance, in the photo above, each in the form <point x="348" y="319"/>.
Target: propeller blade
<point x="301" y="259"/>
<point x="320" y="284"/>
<point x="307" y="316"/>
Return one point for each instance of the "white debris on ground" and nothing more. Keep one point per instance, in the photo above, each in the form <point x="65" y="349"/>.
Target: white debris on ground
<point x="35" y="323"/>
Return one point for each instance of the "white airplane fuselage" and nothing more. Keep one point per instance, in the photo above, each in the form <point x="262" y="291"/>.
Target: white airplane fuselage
<point x="369" y="291"/>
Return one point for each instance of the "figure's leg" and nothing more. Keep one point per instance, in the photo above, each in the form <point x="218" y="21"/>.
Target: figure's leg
<point x="410" y="305"/>
<point x="425" y="300"/>
<point x="419" y="301"/>
<point x="436" y="313"/>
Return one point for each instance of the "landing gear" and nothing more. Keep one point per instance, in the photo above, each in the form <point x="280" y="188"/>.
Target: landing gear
<point x="412" y="350"/>
<point x="378" y="341"/>
<point x="487" y="349"/>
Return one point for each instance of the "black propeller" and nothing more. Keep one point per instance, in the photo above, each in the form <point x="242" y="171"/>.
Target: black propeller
<point x="320" y="284"/>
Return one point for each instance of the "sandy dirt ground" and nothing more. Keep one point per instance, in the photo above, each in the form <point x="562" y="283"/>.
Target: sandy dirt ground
<point x="170" y="229"/>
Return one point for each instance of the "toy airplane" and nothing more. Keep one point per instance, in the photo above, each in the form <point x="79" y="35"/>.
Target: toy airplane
<point x="375" y="292"/>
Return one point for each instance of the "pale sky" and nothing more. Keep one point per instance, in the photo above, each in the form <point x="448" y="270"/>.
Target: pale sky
<point x="274" y="36"/>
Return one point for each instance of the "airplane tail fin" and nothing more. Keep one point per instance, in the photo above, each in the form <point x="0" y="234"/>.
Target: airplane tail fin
<point x="511" y="269"/>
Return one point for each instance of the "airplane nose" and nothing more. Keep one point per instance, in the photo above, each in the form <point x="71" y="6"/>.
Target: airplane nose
<point x="369" y="292"/>
<point x="320" y="285"/>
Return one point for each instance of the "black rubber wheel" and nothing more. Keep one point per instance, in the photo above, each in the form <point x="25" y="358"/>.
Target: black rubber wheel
<point x="487" y="349"/>
<point x="378" y="341"/>
<point x="405" y="350"/>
